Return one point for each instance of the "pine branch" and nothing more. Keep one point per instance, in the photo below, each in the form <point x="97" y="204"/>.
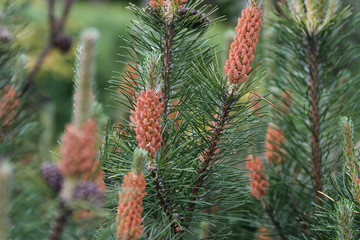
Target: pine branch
<point x="314" y="117"/>
<point x="210" y="153"/>
<point x="159" y="188"/>
<point x="55" y="27"/>
<point x="156" y="179"/>
<point x="29" y="78"/>
<point x="167" y="48"/>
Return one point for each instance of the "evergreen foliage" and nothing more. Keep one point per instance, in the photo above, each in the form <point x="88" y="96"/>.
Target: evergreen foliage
<point x="187" y="160"/>
<point x="17" y="127"/>
<point x="312" y="59"/>
<point x="336" y="216"/>
<point x="192" y="183"/>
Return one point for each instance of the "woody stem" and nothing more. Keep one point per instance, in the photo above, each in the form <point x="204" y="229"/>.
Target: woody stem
<point x="314" y="100"/>
<point x="167" y="52"/>
<point x="211" y="152"/>
<point x="157" y="182"/>
<point x="60" y="222"/>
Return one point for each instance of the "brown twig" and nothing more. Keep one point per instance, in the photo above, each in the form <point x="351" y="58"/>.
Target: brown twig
<point x="60" y="222"/>
<point x="168" y="41"/>
<point x="55" y="27"/>
<point x="158" y="183"/>
<point x="66" y="10"/>
<point x="314" y="100"/>
<point x="211" y="152"/>
<point x="29" y="78"/>
<point x="159" y="188"/>
<point x="259" y="96"/>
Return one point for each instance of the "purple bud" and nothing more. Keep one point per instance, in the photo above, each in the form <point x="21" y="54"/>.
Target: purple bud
<point x="183" y="11"/>
<point x="52" y="176"/>
<point x="90" y="192"/>
<point x="63" y="42"/>
<point x="198" y="19"/>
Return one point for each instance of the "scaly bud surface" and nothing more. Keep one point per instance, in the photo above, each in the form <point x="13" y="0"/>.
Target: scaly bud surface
<point x="273" y="141"/>
<point x="148" y="119"/>
<point x="90" y="192"/>
<point x="129" y="222"/>
<point x="78" y="153"/>
<point x="52" y="175"/>
<point x="258" y="183"/>
<point x="242" y="50"/>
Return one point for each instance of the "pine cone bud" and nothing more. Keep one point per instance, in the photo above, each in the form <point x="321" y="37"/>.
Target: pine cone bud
<point x="241" y="54"/>
<point x="274" y="139"/>
<point x="52" y="176"/>
<point x="128" y="220"/>
<point x="258" y="183"/>
<point x="90" y="192"/>
<point x="63" y="42"/>
<point x="5" y="35"/>
<point x="197" y="21"/>
<point x="78" y="152"/>
<point x="148" y="119"/>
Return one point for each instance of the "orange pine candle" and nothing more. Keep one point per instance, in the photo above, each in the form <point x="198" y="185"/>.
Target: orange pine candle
<point x="258" y="183"/>
<point x="148" y="119"/>
<point x="8" y="103"/>
<point x="274" y="140"/>
<point x="79" y="153"/>
<point x="129" y="221"/>
<point x="242" y="50"/>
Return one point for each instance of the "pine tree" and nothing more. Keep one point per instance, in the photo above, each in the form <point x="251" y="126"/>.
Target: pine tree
<point x="189" y="161"/>
<point x="19" y="130"/>
<point x="312" y="61"/>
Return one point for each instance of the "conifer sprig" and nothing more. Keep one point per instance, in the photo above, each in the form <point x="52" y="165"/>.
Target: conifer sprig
<point x="199" y="106"/>
<point x="18" y="128"/>
<point x="345" y="220"/>
<point x="319" y="93"/>
<point x="129" y="222"/>
<point x="351" y="164"/>
<point x="241" y="55"/>
<point x="335" y="217"/>
<point x="79" y="166"/>
<point x="176" y="39"/>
